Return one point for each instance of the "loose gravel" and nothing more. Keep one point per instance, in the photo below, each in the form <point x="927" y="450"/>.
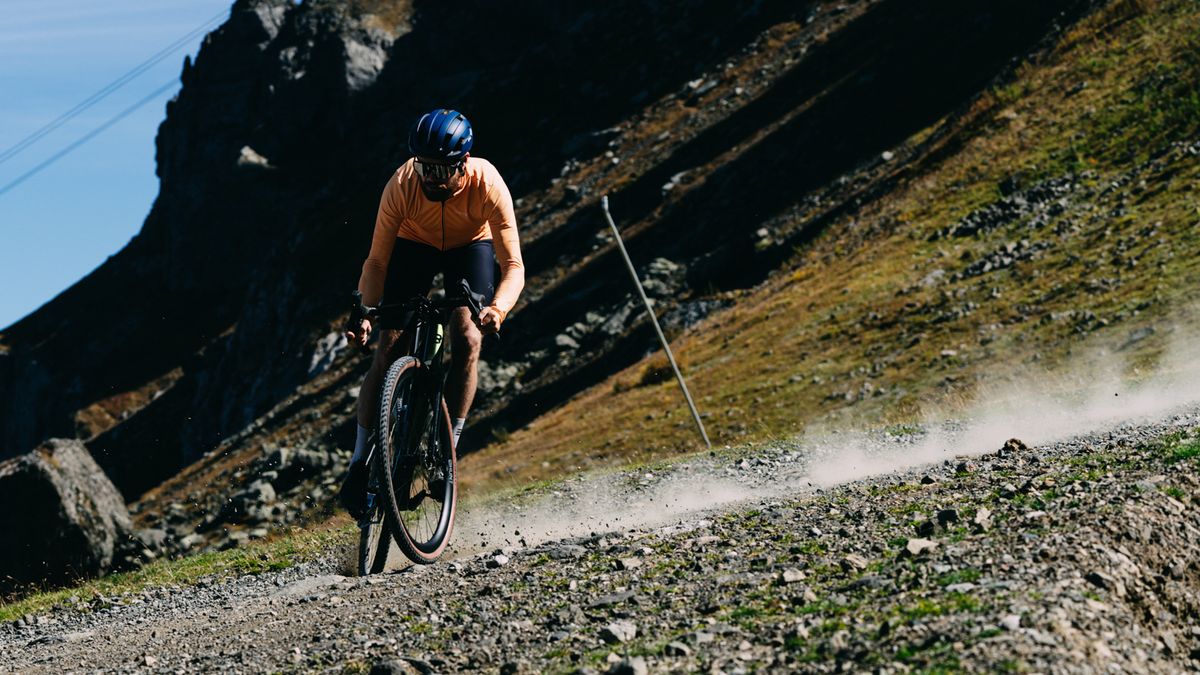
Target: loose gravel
<point x="1079" y="555"/>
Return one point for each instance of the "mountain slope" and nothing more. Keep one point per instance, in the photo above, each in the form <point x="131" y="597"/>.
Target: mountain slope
<point x="876" y="202"/>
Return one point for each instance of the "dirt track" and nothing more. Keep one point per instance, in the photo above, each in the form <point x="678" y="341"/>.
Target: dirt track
<point x="1088" y="559"/>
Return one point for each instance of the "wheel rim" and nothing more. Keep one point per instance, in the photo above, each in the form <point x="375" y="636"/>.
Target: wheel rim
<point x="420" y="523"/>
<point x="425" y="517"/>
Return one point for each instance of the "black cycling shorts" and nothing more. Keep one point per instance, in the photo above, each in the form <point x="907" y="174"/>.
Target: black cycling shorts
<point x="413" y="266"/>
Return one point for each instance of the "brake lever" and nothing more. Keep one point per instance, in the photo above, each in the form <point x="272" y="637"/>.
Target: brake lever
<point x="358" y="312"/>
<point x="475" y="304"/>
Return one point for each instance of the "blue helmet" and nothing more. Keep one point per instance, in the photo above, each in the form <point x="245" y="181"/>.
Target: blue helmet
<point x="441" y="134"/>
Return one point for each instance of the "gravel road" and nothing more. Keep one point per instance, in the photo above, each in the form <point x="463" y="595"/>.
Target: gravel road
<point x="1076" y="555"/>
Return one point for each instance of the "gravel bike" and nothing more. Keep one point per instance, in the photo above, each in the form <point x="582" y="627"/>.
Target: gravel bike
<point x="412" y="468"/>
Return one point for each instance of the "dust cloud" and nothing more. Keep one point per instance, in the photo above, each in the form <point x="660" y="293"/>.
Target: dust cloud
<point x="1100" y="390"/>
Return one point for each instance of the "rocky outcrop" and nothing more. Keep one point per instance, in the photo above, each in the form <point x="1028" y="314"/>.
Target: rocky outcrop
<point x="60" y="517"/>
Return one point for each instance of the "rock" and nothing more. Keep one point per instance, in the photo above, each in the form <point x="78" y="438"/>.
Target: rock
<point x="152" y="539"/>
<point x="677" y="649"/>
<point x="1105" y="581"/>
<point x="965" y="587"/>
<point x="398" y="667"/>
<point x="326" y="352"/>
<point x="248" y="158"/>
<point x="564" y="341"/>
<point x="854" y="562"/>
<point x="567" y="552"/>
<point x="60" y="517"/>
<point x="1011" y="622"/>
<point x="947" y="517"/>
<point x="982" y="522"/>
<point x="630" y="665"/>
<point x="190" y="541"/>
<point x="612" y="599"/>
<point x="628" y="563"/>
<point x="499" y="376"/>
<point x="1013" y="446"/>
<point x="247" y="505"/>
<point x="618" y="632"/>
<point x="498" y="560"/>
<point x="792" y="576"/>
<point x="916" y="547"/>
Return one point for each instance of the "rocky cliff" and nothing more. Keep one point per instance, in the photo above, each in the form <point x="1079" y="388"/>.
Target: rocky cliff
<point x="714" y="129"/>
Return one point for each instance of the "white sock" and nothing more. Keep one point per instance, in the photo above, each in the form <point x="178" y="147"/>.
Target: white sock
<point x="457" y="427"/>
<point x="360" y="445"/>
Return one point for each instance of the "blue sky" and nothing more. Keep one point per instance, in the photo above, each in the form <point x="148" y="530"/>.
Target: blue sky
<point x="64" y="222"/>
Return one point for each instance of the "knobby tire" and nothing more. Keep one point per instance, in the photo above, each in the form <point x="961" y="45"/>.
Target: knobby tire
<point x="374" y="542"/>
<point x="408" y="422"/>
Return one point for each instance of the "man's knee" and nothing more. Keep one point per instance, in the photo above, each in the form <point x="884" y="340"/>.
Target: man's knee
<point x="465" y="338"/>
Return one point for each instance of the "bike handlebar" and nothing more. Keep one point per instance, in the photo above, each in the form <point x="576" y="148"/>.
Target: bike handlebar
<point x="469" y="299"/>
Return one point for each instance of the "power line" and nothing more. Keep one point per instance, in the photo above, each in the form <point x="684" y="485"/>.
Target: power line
<point x="89" y="136"/>
<point x="108" y="89"/>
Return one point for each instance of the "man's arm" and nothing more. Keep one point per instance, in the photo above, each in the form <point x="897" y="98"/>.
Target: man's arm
<point x="503" y="223"/>
<point x="374" y="270"/>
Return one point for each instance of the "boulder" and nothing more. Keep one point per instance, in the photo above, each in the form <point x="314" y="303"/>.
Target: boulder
<point x="60" y="517"/>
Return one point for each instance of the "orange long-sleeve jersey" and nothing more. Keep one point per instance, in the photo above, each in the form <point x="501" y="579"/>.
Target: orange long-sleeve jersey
<point x="481" y="209"/>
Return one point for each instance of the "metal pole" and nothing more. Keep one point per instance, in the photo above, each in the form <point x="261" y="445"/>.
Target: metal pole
<point x="653" y="319"/>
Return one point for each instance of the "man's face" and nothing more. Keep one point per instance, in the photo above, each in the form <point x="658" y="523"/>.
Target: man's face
<point x="440" y="179"/>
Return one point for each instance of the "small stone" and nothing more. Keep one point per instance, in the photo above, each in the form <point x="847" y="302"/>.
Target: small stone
<point x="1011" y="622"/>
<point x="150" y="661"/>
<point x="916" y="547"/>
<point x="618" y="632"/>
<point x="628" y="563"/>
<point x="928" y="480"/>
<point x="887" y="155"/>
<point x="677" y="649"/>
<point x="791" y="576"/>
<point x="1169" y="644"/>
<point x="982" y="522"/>
<point x="499" y="560"/>
<point x="630" y="665"/>
<point x="854" y="562"/>
<point x="1013" y="446"/>
<point x="965" y="587"/>
<point x="946" y="517"/>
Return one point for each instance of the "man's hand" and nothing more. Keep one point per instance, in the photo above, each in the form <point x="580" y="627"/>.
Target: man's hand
<point x="490" y="319"/>
<point x="359" y="337"/>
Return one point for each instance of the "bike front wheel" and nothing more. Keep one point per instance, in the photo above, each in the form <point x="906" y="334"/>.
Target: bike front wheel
<point x="418" y="461"/>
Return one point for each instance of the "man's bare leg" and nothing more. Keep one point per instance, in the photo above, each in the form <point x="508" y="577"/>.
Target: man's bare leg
<point x="461" y="381"/>
<point x="388" y="350"/>
<point x="353" y="493"/>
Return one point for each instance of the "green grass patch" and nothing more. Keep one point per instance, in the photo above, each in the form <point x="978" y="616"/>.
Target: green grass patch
<point x="256" y="558"/>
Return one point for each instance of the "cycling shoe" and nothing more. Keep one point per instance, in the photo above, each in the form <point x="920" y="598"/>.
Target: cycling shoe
<point x="353" y="495"/>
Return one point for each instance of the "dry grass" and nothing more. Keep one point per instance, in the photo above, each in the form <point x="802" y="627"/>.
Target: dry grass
<point x="798" y="352"/>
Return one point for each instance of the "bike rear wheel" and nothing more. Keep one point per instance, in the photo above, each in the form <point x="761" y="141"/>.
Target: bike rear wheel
<point x="418" y="461"/>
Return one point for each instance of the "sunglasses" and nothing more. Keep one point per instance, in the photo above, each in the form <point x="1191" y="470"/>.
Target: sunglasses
<point x="439" y="172"/>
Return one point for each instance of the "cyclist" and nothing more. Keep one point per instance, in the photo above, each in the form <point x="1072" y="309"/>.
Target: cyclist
<point x="442" y="211"/>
